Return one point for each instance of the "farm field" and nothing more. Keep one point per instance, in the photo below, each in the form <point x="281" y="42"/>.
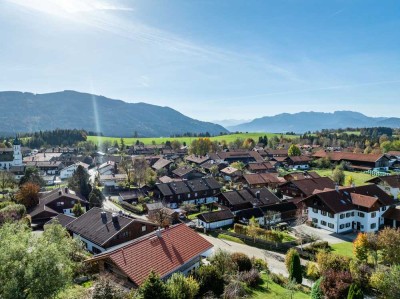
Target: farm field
<point x="160" y="140"/>
<point x="359" y="177"/>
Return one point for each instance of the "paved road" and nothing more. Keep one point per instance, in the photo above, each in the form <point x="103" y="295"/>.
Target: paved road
<point x="325" y="235"/>
<point x="276" y="261"/>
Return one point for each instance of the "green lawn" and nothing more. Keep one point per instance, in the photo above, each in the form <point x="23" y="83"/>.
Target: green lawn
<point x="159" y="140"/>
<point x="359" y="177"/>
<point x="230" y="238"/>
<point x="274" y="291"/>
<point x="344" y="248"/>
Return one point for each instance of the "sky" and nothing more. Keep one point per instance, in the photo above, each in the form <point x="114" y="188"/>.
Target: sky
<point x="211" y="60"/>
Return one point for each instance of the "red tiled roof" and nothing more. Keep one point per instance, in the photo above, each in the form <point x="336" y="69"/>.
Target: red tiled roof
<point x="177" y="246"/>
<point x="337" y="156"/>
<point x="363" y="200"/>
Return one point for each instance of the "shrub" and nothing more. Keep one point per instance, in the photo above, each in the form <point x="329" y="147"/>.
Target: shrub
<point x="295" y="271"/>
<point x="154" y="287"/>
<point x="328" y="261"/>
<point x="355" y="292"/>
<point x="223" y="262"/>
<point x="234" y="290"/>
<point x="240" y="229"/>
<point x="336" y="284"/>
<point x="314" y="248"/>
<point x="210" y="280"/>
<point x="4" y="204"/>
<point x="260" y="264"/>
<point x="279" y="279"/>
<point x="12" y="212"/>
<point x="181" y="287"/>
<point x="361" y="273"/>
<point x="289" y="257"/>
<point x="131" y="208"/>
<point x="312" y="271"/>
<point x="251" y="278"/>
<point x="316" y="292"/>
<point x="242" y="261"/>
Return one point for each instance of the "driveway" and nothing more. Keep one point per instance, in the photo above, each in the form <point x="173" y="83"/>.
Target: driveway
<point x="324" y="235"/>
<point x="111" y="207"/>
<point x="276" y="261"/>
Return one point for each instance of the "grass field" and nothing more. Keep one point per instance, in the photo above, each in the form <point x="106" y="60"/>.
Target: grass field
<point x="359" y="177"/>
<point x="188" y="140"/>
<point x="343" y="248"/>
<point x="273" y="290"/>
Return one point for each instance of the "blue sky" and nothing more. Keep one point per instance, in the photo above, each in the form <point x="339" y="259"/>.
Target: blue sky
<point x="224" y="59"/>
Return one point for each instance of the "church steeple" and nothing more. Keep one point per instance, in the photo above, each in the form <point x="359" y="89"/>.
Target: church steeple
<point x="16" y="141"/>
<point x="17" y="161"/>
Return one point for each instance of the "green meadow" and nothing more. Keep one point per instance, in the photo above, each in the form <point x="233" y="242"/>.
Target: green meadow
<point x="160" y="140"/>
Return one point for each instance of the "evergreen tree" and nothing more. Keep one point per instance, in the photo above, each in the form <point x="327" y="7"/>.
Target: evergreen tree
<point x="355" y="292"/>
<point x="154" y="287"/>
<point x="79" y="182"/>
<point x="77" y="209"/>
<point x="96" y="198"/>
<point x="316" y="292"/>
<point x="31" y="175"/>
<point x="294" y="267"/>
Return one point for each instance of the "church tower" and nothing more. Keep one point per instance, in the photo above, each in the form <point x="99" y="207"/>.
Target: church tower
<point x="17" y="161"/>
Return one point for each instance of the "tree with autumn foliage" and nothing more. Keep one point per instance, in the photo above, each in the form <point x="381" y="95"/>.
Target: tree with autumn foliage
<point x="389" y="243"/>
<point x="294" y="151"/>
<point x="201" y="146"/>
<point x="28" y="195"/>
<point x="336" y="284"/>
<point x="360" y="247"/>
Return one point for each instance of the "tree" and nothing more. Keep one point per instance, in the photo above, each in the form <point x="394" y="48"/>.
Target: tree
<point x="122" y="144"/>
<point x="293" y="265"/>
<point x="6" y="180"/>
<point x="222" y="260"/>
<point x="387" y="282"/>
<point x="238" y="165"/>
<point x="104" y="288"/>
<point x="28" y="195"/>
<point x="31" y="175"/>
<point x="96" y="198"/>
<point x="252" y="228"/>
<point x="316" y="292"/>
<point x="154" y="287"/>
<point x="338" y="175"/>
<point x="214" y="170"/>
<point x="79" y="182"/>
<point x="328" y="261"/>
<point x="349" y="180"/>
<point x="389" y="243"/>
<point x="126" y="166"/>
<point x="234" y="289"/>
<point x="77" y="210"/>
<point x="360" y="247"/>
<point x="200" y="146"/>
<point x="355" y="292"/>
<point x="25" y="272"/>
<point x="294" y="151"/>
<point x="181" y="287"/>
<point x="139" y="170"/>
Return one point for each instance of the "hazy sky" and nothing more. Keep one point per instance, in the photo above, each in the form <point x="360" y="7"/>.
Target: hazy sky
<point x="222" y="59"/>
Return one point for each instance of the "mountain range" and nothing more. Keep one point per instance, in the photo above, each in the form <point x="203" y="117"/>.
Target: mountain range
<point x="312" y="121"/>
<point x="28" y="112"/>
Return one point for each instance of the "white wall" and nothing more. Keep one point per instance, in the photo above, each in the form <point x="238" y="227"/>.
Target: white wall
<point x="89" y="245"/>
<point x="217" y="224"/>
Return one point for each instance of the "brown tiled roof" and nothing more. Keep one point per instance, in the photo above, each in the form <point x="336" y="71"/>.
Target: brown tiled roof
<point x="182" y="171"/>
<point x="392" y="180"/>
<point x="278" y="152"/>
<point x="308" y="186"/>
<point x="229" y="170"/>
<point x="260" y="166"/>
<point x="392" y="213"/>
<point x="216" y="216"/>
<point x="62" y="219"/>
<point x="301" y="175"/>
<point x="197" y="159"/>
<point x="254" y="179"/>
<point x="363" y="200"/>
<point x="298" y="159"/>
<point x="394" y="153"/>
<point x="272" y="178"/>
<point x="175" y="247"/>
<point x="338" y="156"/>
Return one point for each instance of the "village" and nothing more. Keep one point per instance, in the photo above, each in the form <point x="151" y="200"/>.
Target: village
<point x="157" y="210"/>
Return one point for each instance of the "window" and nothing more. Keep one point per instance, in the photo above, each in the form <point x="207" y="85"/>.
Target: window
<point x="96" y="250"/>
<point x="144" y="228"/>
<point x="361" y="215"/>
<point x="384" y="208"/>
<point x="323" y="213"/>
<point x="323" y="222"/>
<point x="348" y="215"/>
<point x="341" y="226"/>
<point x="315" y="210"/>
<point x="72" y="202"/>
<point x="195" y="194"/>
<point x="189" y="195"/>
<point x="331" y="225"/>
<point x="373" y="214"/>
<point x="352" y="214"/>
<point x="348" y="224"/>
<point x="330" y="215"/>
<point x="342" y="216"/>
<point x="373" y="225"/>
<point x="315" y="220"/>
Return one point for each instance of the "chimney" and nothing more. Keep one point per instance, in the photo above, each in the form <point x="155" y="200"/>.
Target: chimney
<point x="158" y="233"/>
<point x="103" y="216"/>
<point x="115" y="218"/>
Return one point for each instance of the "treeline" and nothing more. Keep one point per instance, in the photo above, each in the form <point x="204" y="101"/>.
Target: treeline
<point x="58" y="137"/>
<point x="190" y="134"/>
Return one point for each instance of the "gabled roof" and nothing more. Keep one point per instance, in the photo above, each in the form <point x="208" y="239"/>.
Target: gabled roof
<point x="161" y="163"/>
<point x="62" y="219"/>
<point x="164" y="254"/>
<point x="346" y="199"/>
<point x="392" y="180"/>
<point x="216" y="216"/>
<point x="229" y="170"/>
<point x="260" y="166"/>
<point x="359" y="157"/>
<point x="308" y="186"/>
<point x="294" y="176"/>
<point x="299" y="159"/>
<point x="182" y="171"/>
<point x="197" y="159"/>
<point x="249" y="213"/>
<point x="100" y="228"/>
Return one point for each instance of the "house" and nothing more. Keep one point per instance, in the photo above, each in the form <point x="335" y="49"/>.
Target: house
<point x="298" y="162"/>
<point x="106" y="168"/>
<point x="216" y="219"/>
<point x="355" y="208"/>
<point x="247" y="198"/>
<point x="161" y="164"/>
<point x="166" y="179"/>
<point x="257" y="180"/>
<point x="113" y="180"/>
<point x="197" y="159"/>
<point x="260" y="167"/>
<point x="62" y="219"/>
<point x="176" y="249"/>
<point x="391" y="217"/>
<point x="131" y="196"/>
<point x="186" y="172"/>
<point x="237" y="156"/>
<point x="196" y="191"/>
<point x="210" y="164"/>
<point x="271" y="153"/>
<point x="99" y="229"/>
<point x="294" y="176"/>
<point x="244" y="216"/>
<point x="357" y="161"/>
<point x="231" y="173"/>
<point x="68" y="172"/>
<point x="157" y="212"/>
<point x="57" y="201"/>
<point x="390" y="184"/>
<point x="306" y="187"/>
<point x="284" y="211"/>
<point x="47" y="167"/>
<point x="18" y="171"/>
